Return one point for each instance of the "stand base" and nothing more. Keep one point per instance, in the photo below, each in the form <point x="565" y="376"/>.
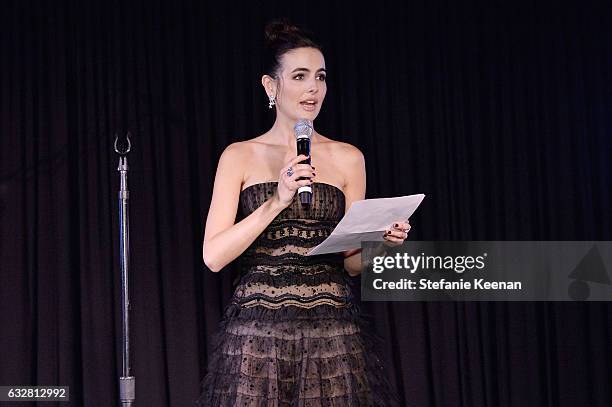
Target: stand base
<point x="127" y="390"/>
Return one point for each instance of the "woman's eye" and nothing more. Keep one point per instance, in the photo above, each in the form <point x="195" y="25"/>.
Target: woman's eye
<point x="300" y="76"/>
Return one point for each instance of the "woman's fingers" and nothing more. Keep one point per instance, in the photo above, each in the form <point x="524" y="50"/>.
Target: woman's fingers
<point x="398" y="232"/>
<point x="395" y="235"/>
<point x="401" y="225"/>
<point x="288" y="179"/>
<point x="303" y="182"/>
<point x="304" y="167"/>
<point x="302" y="173"/>
<point x="297" y="170"/>
<point x="295" y="161"/>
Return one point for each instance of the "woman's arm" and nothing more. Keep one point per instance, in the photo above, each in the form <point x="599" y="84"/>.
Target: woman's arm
<point x="354" y="190"/>
<point x="352" y="262"/>
<point x="224" y="241"/>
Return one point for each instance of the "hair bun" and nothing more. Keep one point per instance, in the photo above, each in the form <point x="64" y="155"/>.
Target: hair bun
<point x="281" y="37"/>
<point x="280" y="29"/>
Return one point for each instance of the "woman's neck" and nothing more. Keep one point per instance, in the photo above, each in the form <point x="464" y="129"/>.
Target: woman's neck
<point x="282" y="132"/>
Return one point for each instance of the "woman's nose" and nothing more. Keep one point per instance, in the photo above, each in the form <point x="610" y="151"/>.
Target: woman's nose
<point x="313" y="87"/>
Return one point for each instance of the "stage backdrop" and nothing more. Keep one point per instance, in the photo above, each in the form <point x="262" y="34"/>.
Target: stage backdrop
<point x="499" y="111"/>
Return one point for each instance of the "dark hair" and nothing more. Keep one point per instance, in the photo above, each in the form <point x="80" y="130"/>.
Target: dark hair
<point x="282" y="37"/>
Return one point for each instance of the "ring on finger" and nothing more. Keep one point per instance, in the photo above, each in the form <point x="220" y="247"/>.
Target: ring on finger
<point x="289" y="171"/>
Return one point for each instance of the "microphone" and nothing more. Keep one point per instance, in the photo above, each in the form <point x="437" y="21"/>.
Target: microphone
<point x="303" y="132"/>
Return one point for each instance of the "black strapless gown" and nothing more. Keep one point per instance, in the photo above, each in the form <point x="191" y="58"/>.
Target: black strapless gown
<point x="291" y="335"/>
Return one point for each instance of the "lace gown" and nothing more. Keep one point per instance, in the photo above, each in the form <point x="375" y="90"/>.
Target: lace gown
<point x="291" y="335"/>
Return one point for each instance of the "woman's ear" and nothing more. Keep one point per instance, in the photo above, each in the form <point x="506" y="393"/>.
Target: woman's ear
<point x="269" y="85"/>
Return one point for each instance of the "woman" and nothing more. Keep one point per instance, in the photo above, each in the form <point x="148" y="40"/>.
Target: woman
<point x="291" y="334"/>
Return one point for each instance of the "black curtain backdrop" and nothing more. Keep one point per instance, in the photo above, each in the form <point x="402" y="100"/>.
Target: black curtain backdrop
<point x="499" y="111"/>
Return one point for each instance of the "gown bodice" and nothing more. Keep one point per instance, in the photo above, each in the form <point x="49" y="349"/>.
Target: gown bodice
<point x="275" y="269"/>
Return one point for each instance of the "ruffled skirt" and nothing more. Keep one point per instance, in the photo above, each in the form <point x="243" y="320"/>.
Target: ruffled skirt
<point x="293" y="356"/>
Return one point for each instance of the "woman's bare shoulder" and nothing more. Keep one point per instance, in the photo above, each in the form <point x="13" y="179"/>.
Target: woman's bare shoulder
<point x="237" y="156"/>
<point x="340" y="150"/>
<point x="243" y="148"/>
<point x="347" y="160"/>
<point x="233" y="159"/>
<point x="250" y="146"/>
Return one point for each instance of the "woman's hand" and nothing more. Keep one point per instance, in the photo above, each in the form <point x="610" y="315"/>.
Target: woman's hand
<point x="287" y="181"/>
<point x="397" y="233"/>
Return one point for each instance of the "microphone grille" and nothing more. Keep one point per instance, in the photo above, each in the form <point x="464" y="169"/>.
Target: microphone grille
<point x="303" y="128"/>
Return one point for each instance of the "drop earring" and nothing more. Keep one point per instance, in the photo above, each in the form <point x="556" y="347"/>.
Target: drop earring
<point x="272" y="101"/>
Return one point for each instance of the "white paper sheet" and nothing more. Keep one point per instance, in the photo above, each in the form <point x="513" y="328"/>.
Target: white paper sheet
<point x="367" y="220"/>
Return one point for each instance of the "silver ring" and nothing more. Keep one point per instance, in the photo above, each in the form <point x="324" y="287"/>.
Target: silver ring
<point x="289" y="171"/>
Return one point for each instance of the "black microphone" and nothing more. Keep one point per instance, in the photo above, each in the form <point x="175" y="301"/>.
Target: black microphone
<point x="303" y="132"/>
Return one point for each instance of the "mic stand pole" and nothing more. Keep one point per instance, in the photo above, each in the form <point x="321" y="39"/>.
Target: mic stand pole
<point x="127" y="383"/>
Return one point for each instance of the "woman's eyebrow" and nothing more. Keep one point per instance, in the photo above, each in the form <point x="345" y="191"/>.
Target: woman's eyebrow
<point x="308" y="70"/>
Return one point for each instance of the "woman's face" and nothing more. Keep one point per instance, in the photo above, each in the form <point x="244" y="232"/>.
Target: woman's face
<point x="301" y="84"/>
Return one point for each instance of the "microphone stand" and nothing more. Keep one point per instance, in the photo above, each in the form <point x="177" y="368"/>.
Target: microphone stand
<point x="127" y="383"/>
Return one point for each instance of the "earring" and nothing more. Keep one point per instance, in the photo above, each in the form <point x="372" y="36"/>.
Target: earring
<point x="272" y="101"/>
